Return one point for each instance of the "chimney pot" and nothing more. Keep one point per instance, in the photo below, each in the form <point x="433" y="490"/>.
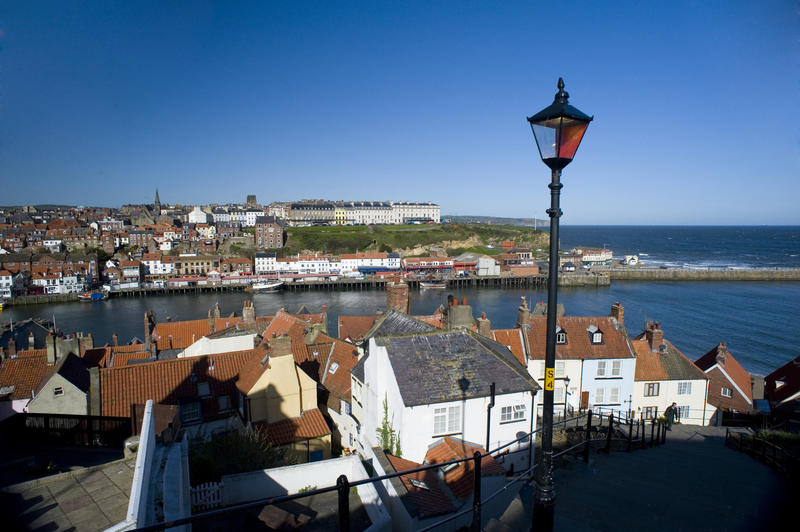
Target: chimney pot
<point x="464" y="301"/>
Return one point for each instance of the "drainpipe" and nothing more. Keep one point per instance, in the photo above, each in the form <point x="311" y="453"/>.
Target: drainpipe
<point x="489" y="415"/>
<point x="530" y="441"/>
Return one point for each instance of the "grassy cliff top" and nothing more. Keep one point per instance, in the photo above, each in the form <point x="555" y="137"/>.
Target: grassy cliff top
<point x="410" y="240"/>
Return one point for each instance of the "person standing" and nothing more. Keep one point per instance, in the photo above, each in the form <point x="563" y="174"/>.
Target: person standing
<point x="670" y="413"/>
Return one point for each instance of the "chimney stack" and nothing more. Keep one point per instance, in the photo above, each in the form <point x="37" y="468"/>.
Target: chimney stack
<point x="12" y="348"/>
<point x="216" y="311"/>
<point x="484" y="326"/>
<point x="85" y="343"/>
<point x="31" y="341"/>
<point x="51" y="348"/>
<point x="655" y="336"/>
<point x="618" y="313"/>
<point x="523" y="314"/>
<point x="2" y="355"/>
<point x="722" y="353"/>
<point x="210" y="322"/>
<point x="397" y="297"/>
<point x="114" y="339"/>
<point x="248" y="312"/>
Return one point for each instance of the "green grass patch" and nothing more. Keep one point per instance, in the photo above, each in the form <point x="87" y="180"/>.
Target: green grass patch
<point x="349" y="239"/>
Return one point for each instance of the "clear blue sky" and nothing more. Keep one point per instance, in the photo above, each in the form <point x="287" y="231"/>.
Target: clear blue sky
<point x="695" y="105"/>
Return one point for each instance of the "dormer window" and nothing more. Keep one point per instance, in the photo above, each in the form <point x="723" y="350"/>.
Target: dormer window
<point x="595" y="334"/>
<point x="561" y="336"/>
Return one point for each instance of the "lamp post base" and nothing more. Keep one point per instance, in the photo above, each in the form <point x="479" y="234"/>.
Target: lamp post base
<point x="544" y="505"/>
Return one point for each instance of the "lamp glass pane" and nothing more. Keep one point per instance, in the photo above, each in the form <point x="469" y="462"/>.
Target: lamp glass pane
<point x="569" y="137"/>
<point x="545" y="135"/>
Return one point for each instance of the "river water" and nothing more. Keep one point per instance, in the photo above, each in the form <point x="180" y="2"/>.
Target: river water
<point x="758" y="320"/>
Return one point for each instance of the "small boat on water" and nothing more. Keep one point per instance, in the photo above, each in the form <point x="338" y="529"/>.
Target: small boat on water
<point x="93" y="296"/>
<point x="432" y="284"/>
<point x="267" y="286"/>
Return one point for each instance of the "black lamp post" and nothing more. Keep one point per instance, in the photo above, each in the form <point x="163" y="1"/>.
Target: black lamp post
<point x="566" y="394"/>
<point x="558" y="130"/>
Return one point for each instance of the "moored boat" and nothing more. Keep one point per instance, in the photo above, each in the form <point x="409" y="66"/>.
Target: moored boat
<point x="432" y="284"/>
<point x="93" y="296"/>
<point x="267" y="286"/>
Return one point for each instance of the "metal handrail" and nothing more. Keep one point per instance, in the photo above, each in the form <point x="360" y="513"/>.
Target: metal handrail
<point x="286" y="498"/>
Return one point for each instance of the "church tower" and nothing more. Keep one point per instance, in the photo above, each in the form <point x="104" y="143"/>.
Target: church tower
<point x="157" y="207"/>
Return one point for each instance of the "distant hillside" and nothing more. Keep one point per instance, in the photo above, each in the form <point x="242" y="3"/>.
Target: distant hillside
<point x="410" y="240"/>
<point x="498" y="220"/>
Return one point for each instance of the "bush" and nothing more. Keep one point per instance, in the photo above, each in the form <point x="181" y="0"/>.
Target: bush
<point x="228" y="454"/>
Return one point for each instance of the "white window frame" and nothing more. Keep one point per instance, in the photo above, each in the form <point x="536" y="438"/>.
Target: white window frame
<point x="601" y="368"/>
<point x="561" y="366"/>
<point x="561" y="338"/>
<point x="616" y="368"/>
<point x="683" y="412"/>
<point x="599" y="396"/>
<point x="447" y="418"/>
<point x="613" y="396"/>
<point x="724" y="390"/>
<point x="597" y="338"/>
<point x="58" y="391"/>
<point x="656" y="386"/>
<point x="685" y="388"/>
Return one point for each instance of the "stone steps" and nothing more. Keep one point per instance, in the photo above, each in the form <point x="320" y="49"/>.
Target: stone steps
<point x="693" y="482"/>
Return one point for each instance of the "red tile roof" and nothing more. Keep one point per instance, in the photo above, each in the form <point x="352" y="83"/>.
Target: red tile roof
<point x="311" y="424"/>
<point x="429" y="502"/>
<point x="340" y="359"/>
<point x="511" y="338"/>
<point x="98" y="356"/>
<point x="170" y="381"/>
<point x="578" y="346"/>
<point x="460" y="479"/>
<point x="735" y="371"/>
<point x="355" y="327"/>
<point x="24" y="372"/>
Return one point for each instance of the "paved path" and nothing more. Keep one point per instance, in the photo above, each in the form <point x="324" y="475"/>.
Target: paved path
<point x="88" y="500"/>
<point x="693" y="482"/>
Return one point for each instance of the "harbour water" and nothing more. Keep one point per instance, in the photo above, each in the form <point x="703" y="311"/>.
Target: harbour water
<point x="758" y="320"/>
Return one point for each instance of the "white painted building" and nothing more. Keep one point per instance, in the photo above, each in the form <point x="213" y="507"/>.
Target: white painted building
<point x="198" y="216"/>
<point x="220" y="215"/>
<point x="595" y="364"/>
<point x="266" y="263"/>
<point x="664" y="376"/>
<point x="251" y="215"/>
<point x="305" y="264"/>
<point x="6" y="283"/>
<point x="403" y="212"/>
<point x="447" y="401"/>
<point x="375" y="261"/>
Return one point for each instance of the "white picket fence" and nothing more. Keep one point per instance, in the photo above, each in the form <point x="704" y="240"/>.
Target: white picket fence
<point x="206" y="496"/>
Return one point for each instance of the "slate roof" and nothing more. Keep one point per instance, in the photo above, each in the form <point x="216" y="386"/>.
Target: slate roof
<point x="311" y="424"/>
<point x="450" y="366"/>
<point x="789" y="375"/>
<point x="75" y="370"/>
<point x="394" y="323"/>
<point x="669" y="365"/>
<point x="614" y="345"/>
<point x="460" y="478"/>
<point x="734" y="370"/>
<point x="358" y="369"/>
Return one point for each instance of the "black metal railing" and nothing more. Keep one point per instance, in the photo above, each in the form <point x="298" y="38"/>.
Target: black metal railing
<point x="600" y="436"/>
<point x="66" y="429"/>
<point x="765" y="451"/>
